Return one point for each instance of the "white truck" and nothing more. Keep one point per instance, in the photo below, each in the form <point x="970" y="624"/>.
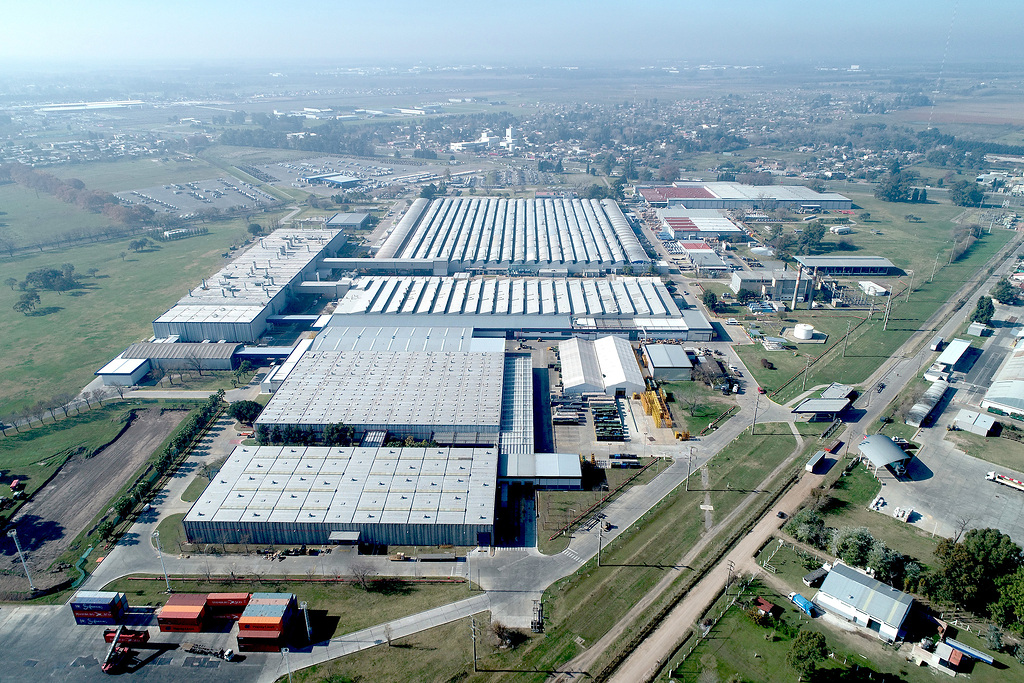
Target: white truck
<point x="1005" y="480"/>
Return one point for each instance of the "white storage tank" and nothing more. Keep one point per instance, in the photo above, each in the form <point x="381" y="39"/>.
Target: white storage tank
<point x="803" y="331"/>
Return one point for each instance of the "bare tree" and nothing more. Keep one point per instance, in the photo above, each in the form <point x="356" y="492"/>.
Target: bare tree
<point x="363" y="574"/>
<point x="87" y="397"/>
<point x="120" y="389"/>
<point x="961" y="526"/>
<point x="64" y="401"/>
<point x="194" y="362"/>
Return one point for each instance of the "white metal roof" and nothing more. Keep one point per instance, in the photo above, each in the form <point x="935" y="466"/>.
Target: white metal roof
<point x="865" y="594"/>
<point x="1007" y="389"/>
<point x="881" y="450"/>
<point x="122" y="366"/>
<point x="497" y="230"/>
<point x="339" y="485"/>
<point x="595" y="365"/>
<point x="953" y="352"/>
<point x="667" y="356"/>
<point x="380" y="388"/>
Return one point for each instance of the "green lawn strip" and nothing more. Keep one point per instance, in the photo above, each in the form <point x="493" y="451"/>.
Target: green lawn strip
<point x="587" y="603"/>
<point x="33" y="455"/>
<point x="443" y="653"/>
<point x="999" y="452"/>
<point x="789" y="565"/>
<point x="349" y="607"/>
<point x="210" y="380"/>
<point x="72" y="335"/>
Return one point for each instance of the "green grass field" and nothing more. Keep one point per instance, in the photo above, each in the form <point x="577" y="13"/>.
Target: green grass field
<point x="70" y="336"/>
<point x="28" y="216"/>
<point x="1001" y="452"/>
<point x="708" y="405"/>
<point x="33" y="455"/>
<point x="349" y="607"/>
<point x="135" y="174"/>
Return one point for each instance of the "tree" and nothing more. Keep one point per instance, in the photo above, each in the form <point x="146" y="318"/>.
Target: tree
<point x="809" y="648"/>
<point x="710" y="300"/>
<point x="966" y="193"/>
<point x="27" y="302"/>
<point x="1010" y="607"/>
<point x="255" y="229"/>
<point x="1004" y="292"/>
<point x="852" y="545"/>
<point x="245" y="411"/>
<point x="984" y="311"/>
<point x="194" y="362"/>
<point x="122" y="254"/>
<point x="865" y="216"/>
<point x="668" y="171"/>
<point x="105" y="528"/>
<point x="11" y="282"/>
<point x="811" y="237"/>
<point x="92" y="271"/>
<point x="363" y="574"/>
<point x="972" y="567"/>
<point x="897" y="186"/>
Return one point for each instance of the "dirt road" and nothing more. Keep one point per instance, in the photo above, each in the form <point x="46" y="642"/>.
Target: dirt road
<point x="66" y="505"/>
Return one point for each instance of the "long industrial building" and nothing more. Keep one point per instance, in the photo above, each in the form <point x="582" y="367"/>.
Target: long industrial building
<point x="578" y="235"/>
<point x="725" y="195"/>
<point x="395" y="496"/>
<point x="604" y="365"/>
<point x="234" y="304"/>
<point x="522" y="307"/>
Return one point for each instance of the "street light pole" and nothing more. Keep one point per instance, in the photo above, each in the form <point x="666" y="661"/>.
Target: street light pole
<point x="753" y="424"/>
<point x="600" y="539"/>
<point x="160" y="554"/>
<point x="287" y="664"/>
<point x="14" y="535"/>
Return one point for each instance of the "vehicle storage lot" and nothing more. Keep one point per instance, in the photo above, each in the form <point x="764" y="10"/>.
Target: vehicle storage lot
<point x="63" y="508"/>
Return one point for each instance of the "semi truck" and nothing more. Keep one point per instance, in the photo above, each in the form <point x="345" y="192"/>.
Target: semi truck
<point x="1005" y="480"/>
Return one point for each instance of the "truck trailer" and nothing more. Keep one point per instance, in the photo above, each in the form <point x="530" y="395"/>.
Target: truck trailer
<point x="805" y="605"/>
<point x="1005" y="480"/>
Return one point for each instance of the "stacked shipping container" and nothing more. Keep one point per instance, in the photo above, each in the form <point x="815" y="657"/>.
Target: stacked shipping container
<point x="264" y="624"/>
<point x="105" y="608"/>
<point x="227" y="605"/>
<point x="183" y="613"/>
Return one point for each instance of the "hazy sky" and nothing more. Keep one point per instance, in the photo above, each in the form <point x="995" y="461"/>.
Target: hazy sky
<point x="516" y="31"/>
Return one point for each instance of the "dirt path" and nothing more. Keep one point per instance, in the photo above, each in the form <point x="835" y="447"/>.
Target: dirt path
<point x="65" y="506"/>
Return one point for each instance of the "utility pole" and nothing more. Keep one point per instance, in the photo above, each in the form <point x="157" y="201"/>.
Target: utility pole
<point x="14" y="536"/>
<point x="600" y="540"/>
<point x="160" y="553"/>
<point x="846" y="341"/>
<point x="753" y="424"/>
<point x="911" y="285"/>
<point x="287" y="664"/>
<point x="472" y="621"/>
<point x="934" y="266"/>
<point x="888" y="305"/>
<point x="807" y="365"/>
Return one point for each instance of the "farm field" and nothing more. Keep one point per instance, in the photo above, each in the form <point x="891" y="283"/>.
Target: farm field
<point x="133" y="174"/>
<point x="29" y="216"/>
<point x="63" y="342"/>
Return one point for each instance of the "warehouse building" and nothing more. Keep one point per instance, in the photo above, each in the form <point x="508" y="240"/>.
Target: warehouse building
<point x="234" y="304"/>
<point x="391" y="496"/>
<point x="123" y="371"/>
<point x="522" y="307"/>
<point x="975" y="423"/>
<point x="668" y="362"/>
<point x="696" y="224"/>
<point x="350" y="221"/>
<point x="702" y="257"/>
<point x="865" y="601"/>
<point x="607" y="365"/>
<point x="920" y="411"/>
<point x="842" y="266"/>
<point x="489" y="234"/>
<point x="726" y="195"/>
<point x="184" y="356"/>
<point x="778" y="285"/>
<point x="1005" y="395"/>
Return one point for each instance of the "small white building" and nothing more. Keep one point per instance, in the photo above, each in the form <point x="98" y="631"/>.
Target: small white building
<point x="872" y="288"/>
<point x="607" y="365"/>
<point x="866" y="602"/>
<point x="122" y="371"/>
<point x="975" y="423"/>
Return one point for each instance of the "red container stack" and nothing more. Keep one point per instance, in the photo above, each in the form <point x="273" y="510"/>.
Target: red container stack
<point x="183" y="613"/>
<point x="263" y="626"/>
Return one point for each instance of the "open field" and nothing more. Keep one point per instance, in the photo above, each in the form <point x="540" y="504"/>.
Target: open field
<point x="29" y="215"/>
<point x="59" y="346"/>
<point x="33" y="455"/>
<point x="134" y="174"/>
<point x="83" y="487"/>
<point x="588" y="603"/>
<point x="348" y="607"/>
<point x="442" y="653"/>
<point x="695" y="405"/>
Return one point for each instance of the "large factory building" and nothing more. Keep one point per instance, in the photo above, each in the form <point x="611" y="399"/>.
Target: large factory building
<point x="490" y="234"/>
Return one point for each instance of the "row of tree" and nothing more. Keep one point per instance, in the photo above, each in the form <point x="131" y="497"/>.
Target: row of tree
<point x="63" y="402"/>
<point x="291" y="435"/>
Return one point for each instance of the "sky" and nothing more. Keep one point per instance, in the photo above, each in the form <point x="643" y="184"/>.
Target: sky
<point x="518" y="32"/>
